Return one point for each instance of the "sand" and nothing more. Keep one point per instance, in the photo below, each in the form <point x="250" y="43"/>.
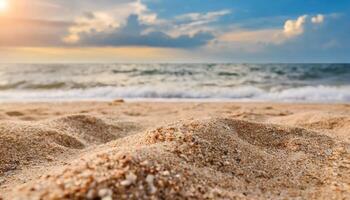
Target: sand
<point x="140" y="150"/>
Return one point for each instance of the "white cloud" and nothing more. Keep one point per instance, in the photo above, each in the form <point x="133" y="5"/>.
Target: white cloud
<point x="108" y="20"/>
<point x="192" y="23"/>
<point x="142" y="11"/>
<point x="91" y="22"/>
<point x="209" y="16"/>
<point x="318" y="19"/>
<point x="294" y="28"/>
<point x="257" y="40"/>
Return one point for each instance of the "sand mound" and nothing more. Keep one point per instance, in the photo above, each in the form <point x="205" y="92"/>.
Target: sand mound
<point x="337" y="124"/>
<point x="213" y="159"/>
<point x="90" y="129"/>
<point x="22" y="143"/>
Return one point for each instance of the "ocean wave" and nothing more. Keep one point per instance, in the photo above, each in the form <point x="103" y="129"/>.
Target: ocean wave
<point x="55" y="85"/>
<point x="300" y="94"/>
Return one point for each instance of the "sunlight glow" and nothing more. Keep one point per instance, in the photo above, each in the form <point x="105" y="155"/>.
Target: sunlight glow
<point x="3" y="5"/>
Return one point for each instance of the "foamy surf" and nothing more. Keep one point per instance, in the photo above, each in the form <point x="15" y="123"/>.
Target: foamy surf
<point x="176" y="82"/>
<point x="300" y="94"/>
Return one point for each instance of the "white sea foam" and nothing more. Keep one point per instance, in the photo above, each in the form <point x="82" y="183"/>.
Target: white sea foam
<point x="299" y="94"/>
<point x="312" y="94"/>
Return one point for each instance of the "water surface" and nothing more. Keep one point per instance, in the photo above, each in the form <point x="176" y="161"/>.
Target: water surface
<point x="272" y="82"/>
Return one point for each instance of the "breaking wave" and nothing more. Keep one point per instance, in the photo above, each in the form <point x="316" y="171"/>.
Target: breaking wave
<point x="300" y="94"/>
<point x="259" y="82"/>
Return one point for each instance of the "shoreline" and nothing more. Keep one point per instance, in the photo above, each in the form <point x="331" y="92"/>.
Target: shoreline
<point x="174" y="100"/>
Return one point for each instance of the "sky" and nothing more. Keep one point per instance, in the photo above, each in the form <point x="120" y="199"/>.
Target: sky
<point x="175" y="31"/>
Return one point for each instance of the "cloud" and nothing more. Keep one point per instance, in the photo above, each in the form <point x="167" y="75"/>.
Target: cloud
<point x="132" y="24"/>
<point x="310" y="38"/>
<point x="207" y="17"/>
<point x="294" y="28"/>
<point x="107" y="20"/>
<point x="143" y="12"/>
<point x="318" y="19"/>
<point x="131" y="34"/>
<point x="106" y="23"/>
<point x="31" y="32"/>
<point x="90" y="22"/>
<point x="254" y="40"/>
<point x="192" y="23"/>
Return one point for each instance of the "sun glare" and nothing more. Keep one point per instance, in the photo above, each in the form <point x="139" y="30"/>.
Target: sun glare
<point x="3" y="5"/>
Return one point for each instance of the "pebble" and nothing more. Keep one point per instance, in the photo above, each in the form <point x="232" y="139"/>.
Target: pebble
<point x="105" y="193"/>
<point x="328" y="152"/>
<point x="149" y="180"/>
<point x="166" y="173"/>
<point x="145" y="163"/>
<point x="130" y="179"/>
<point x="107" y="198"/>
<point x="91" y="194"/>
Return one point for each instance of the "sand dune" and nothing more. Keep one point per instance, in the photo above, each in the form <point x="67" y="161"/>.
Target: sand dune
<point x="336" y="124"/>
<point x="23" y="143"/>
<point x="89" y="129"/>
<point x="192" y="157"/>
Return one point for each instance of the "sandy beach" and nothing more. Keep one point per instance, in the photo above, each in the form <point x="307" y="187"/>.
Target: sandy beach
<point x="159" y="150"/>
<point x="174" y="100"/>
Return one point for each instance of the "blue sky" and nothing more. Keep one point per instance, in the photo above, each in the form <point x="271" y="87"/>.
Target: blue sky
<point x="175" y="31"/>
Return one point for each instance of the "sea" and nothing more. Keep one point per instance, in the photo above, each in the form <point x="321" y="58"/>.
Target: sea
<point x="175" y="82"/>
